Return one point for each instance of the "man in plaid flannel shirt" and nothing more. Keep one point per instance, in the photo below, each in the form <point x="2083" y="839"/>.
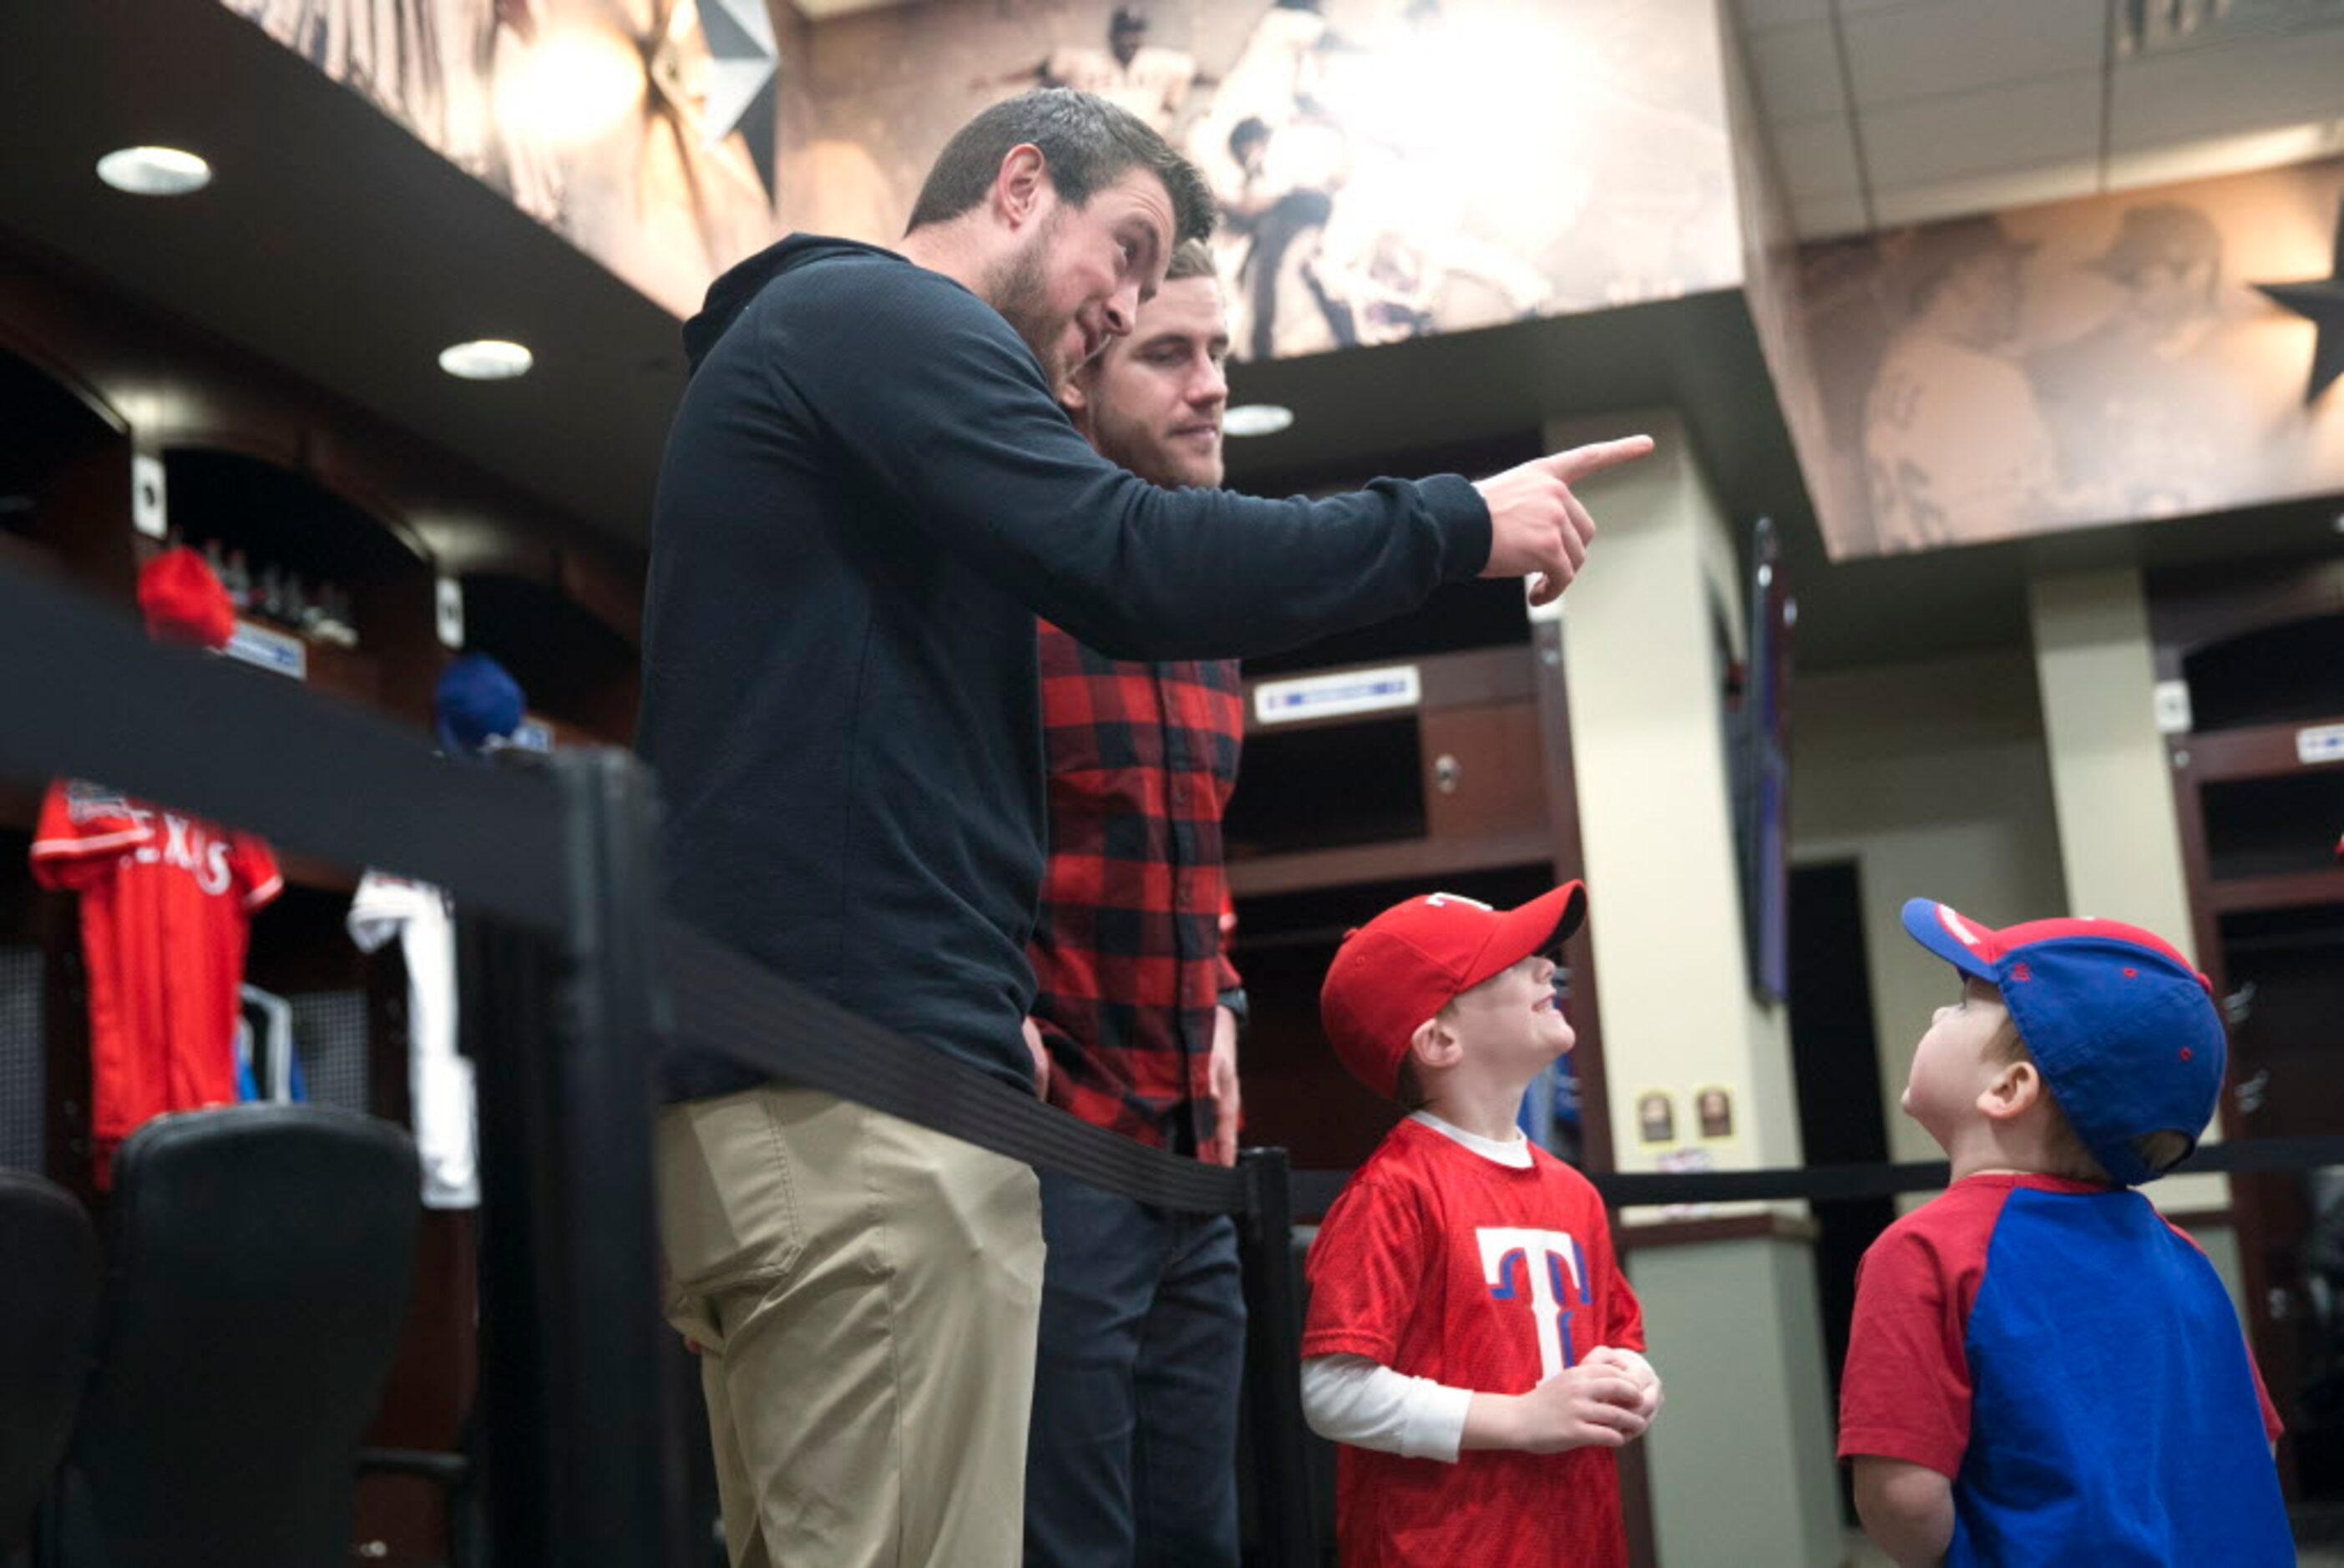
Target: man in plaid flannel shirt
<point x="1132" y="1454"/>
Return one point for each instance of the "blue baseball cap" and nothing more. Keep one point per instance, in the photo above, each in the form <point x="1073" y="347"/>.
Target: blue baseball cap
<point x="2124" y="1029"/>
<point x="478" y="701"/>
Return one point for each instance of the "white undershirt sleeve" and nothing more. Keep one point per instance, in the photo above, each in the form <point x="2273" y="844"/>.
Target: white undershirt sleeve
<point x="1355" y="1400"/>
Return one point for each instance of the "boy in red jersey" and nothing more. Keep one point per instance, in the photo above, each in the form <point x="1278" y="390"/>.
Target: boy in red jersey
<point x="1472" y="1341"/>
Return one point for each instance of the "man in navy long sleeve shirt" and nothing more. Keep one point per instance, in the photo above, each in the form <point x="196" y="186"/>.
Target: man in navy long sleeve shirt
<point x="869" y="491"/>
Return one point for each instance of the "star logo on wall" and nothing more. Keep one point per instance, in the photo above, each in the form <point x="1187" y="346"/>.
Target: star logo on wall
<point x="742" y="73"/>
<point x="2321" y="301"/>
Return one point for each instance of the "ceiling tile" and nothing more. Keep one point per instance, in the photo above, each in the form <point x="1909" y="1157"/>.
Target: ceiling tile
<point x="1817" y="158"/>
<point x="1956" y="46"/>
<point x="1829" y="217"/>
<point x="2021" y="125"/>
<point x="1994" y="192"/>
<point x="1797" y="69"/>
<point x="1757" y="16"/>
<point x="2246" y="85"/>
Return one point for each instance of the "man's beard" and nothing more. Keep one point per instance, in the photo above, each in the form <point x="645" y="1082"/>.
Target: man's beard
<point x="1020" y="289"/>
<point x="1125" y="447"/>
<point x="1143" y="452"/>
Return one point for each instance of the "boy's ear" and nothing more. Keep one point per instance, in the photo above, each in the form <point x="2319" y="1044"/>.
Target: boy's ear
<point x="1433" y="1045"/>
<point x="2014" y="1090"/>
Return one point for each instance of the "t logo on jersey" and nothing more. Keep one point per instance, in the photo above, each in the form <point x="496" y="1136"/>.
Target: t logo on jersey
<point x="1547" y="1269"/>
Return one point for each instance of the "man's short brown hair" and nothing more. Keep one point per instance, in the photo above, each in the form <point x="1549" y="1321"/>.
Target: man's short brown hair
<point x="1087" y="143"/>
<point x="1190" y="258"/>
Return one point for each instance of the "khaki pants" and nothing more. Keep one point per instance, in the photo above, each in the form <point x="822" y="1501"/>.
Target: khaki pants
<point x="868" y="1294"/>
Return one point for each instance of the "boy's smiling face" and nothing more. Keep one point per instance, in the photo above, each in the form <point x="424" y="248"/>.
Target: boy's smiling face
<point x="1515" y="1016"/>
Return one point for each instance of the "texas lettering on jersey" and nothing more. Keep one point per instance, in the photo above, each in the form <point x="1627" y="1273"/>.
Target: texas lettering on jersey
<point x="166" y="902"/>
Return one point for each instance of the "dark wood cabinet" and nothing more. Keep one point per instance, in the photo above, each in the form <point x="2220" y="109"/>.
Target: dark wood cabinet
<point x="1485" y="772"/>
<point x="2252" y="661"/>
<point x="1461" y="782"/>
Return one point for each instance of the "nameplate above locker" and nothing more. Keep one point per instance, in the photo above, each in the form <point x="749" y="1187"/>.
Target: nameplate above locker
<point x="1338" y="695"/>
<point x="272" y="651"/>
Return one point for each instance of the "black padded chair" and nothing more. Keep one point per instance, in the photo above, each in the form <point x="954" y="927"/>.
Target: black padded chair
<point x="48" y="1313"/>
<point x="258" y="1277"/>
<point x="457" y="1476"/>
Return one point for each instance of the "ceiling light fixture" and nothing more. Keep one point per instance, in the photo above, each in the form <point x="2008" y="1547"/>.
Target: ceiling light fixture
<point x="487" y="359"/>
<point x="153" y="171"/>
<point x="1257" y="419"/>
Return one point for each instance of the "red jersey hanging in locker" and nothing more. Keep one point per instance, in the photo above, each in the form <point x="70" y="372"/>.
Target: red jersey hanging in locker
<point x="166" y="904"/>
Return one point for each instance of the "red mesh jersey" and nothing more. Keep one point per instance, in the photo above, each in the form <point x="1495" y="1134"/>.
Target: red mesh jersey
<point x="1440" y="1263"/>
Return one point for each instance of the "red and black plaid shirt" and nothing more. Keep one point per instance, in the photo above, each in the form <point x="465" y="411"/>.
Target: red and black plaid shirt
<point x="1129" y="949"/>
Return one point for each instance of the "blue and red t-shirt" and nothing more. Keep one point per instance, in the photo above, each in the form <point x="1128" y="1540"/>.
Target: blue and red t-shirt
<point x="2073" y="1363"/>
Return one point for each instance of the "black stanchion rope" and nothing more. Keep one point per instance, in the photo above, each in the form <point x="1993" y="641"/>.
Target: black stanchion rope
<point x="730" y="1004"/>
<point x="1315" y="1189"/>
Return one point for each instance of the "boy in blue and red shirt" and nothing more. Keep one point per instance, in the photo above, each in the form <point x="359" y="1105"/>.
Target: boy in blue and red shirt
<point x="2040" y="1369"/>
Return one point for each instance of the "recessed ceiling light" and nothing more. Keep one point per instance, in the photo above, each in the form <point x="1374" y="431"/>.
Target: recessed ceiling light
<point x="1257" y="419"/>
<point x="153" y="171"/>
<point x="486" y="360"/>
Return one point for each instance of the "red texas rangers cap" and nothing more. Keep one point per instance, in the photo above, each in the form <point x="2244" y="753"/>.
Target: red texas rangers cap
<point x="183" y="601"/>
<point x="1404" y="966"/>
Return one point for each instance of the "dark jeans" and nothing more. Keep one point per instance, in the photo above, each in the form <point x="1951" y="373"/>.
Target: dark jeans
<point x="1132" y="1454"/>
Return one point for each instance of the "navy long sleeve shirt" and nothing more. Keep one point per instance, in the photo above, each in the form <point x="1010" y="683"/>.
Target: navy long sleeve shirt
<point x="868" y="494"/>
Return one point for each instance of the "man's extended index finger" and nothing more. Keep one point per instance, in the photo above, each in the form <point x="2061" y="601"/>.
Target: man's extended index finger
<point x="1580" y="462"/>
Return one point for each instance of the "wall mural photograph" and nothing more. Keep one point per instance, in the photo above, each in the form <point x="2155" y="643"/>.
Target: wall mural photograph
<point x="642" y="131"/>
<point x="1386" y="169"/>
<point x="2099" y="360"/>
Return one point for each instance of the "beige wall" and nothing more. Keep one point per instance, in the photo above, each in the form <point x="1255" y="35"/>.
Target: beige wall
<point x="2011" y="786"/>
<point x="1643" y="670"/>
<point x="1742" y="1454"/>
<point x="2119" y="842"/>
<point x="1742" y="1473"/>
<point x="1933" y="778"/>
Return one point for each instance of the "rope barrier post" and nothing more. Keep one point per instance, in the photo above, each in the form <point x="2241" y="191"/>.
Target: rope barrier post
<point x="582" y="1466"/>
<point x="1289" y="1522"/>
